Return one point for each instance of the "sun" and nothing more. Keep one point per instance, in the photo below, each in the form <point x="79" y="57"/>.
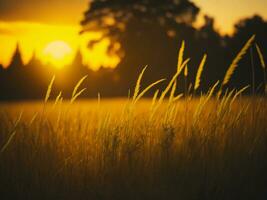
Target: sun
<point x="58" y="53"/>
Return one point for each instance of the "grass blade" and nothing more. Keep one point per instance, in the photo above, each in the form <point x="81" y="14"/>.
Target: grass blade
<point x="199" y="72"/>
<point x="138" y="83"/>
<point x="78" y="85"/>
<point x="235" y="62"/>
<point x="49" y="89"/>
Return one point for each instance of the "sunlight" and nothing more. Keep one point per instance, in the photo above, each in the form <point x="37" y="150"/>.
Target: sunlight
<point x="33" y="38"/>
<point x="58" y="53"/>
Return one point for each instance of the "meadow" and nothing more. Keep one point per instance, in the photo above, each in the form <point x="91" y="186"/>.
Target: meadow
<point x="171" y="146"/>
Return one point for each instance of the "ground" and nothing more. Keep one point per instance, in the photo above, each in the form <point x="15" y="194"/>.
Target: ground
<point x="194" y="148"/>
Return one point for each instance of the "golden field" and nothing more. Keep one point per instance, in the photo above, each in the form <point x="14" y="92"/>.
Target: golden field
<point x="171" y="146"/>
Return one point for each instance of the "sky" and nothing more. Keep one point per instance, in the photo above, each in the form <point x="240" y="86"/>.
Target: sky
<point x="37" y="24"/>
<point x="227" y="12"/>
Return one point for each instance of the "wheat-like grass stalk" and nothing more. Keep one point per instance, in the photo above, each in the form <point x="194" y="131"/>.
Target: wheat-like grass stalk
<point x="169" y="86"/>
<point x="167" y="89"/>
<point x="252" y="71"/>
<point x="181" y="56"/>
<point x="203" y="102"/>
<point x="185" y="79"/>
<point x="238" y="93"/>
<point x="223" y="106"/>
<point x="172" y="92"/>
<point x="75" y="93"/>
<point x="154" y="99"/>
<point x="98" y="99"/>
<point x="137" y="94"/>
<point x="235" y="62"/>
<point x="60" y="111"/>
<point x="153" y="105"/>
<point x="57" y="99"/>
<point x="78" y="85"/>
<point x="147" y="89"/>
<point x="199" y="72"/>
<point x="179" y="96"/>
<point x="260" y="54"/>
<point x="186" y="71"/>
<point x="48" y="93"/>
<point x="211" y="91"/>
<point x="183" y="66"/>
<point x="49" y="89"/>
<point x="263" y="65"/>
<point x="33" y="118"/>
<point x="138" y="83"/>
<point x="12" y="133"/>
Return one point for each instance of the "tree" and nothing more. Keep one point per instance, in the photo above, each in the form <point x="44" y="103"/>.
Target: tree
<point x="13" y="77"/>
<point x="78" y="61"/>
<point x="1" y="69"/>
<point x="112" y="17"/>
<point x="2" y="75"/>
<point x="16" y="61"/>
<point x="34" y="62"/>
<point x="149" y="32"/>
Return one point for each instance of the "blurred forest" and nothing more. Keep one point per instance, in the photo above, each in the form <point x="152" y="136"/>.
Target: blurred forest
<point x="150" y="33"/>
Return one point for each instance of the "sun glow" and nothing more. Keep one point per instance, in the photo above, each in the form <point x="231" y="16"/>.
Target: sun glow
<point x="58" y="53"/>
<point x="34" y="38"/>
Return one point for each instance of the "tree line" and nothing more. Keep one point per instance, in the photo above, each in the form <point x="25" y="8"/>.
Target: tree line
<point x="150" y="33"/>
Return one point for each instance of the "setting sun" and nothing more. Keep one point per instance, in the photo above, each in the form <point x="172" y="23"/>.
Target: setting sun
<point x="58" y="53"/>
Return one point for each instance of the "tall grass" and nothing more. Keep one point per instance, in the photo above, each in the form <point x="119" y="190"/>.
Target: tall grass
<point x="234" y="64"/>
<point x="49" y="89"/>
<point x="163" y="148"/>
<point x="236" y="60"/>
<point x="263" y="65"/>
<point x="199" y="72"/>
<point x="76" y="93"/>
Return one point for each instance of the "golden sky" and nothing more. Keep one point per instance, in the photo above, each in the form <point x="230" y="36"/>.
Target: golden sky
<point x="227" y="12"/>
<point x="36" y="24"/>
<point x="36" y="37"/>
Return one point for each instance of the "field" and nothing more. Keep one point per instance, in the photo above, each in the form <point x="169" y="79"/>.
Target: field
<point x="171" y="146"/>
<point x="103" y="152"/>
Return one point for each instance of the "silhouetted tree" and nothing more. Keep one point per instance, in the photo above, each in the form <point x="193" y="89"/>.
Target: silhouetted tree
<point x="34" y="61"/>
<point x="2" y="74"/>
<point x="16" y="61"/>
<point x="146" y="30"/>
<point x="13" y="77"/>
<point x="113" y="17"/>
<point x="1" y="69"/>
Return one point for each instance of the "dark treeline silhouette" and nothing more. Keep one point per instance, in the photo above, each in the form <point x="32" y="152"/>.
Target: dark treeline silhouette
<point x="150" y="33"/>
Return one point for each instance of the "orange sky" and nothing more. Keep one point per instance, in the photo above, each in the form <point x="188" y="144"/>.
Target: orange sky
<point x="35" y="37"/>
<point x="35" y="24"/>
<point x="227" y="12"/>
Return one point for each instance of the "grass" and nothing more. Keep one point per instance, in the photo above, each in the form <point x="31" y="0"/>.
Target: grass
<point x="168" y="147"/>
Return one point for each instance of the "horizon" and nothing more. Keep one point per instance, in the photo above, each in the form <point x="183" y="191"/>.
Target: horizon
<point x="52" y="63"/>
<point x="34" y="28"/>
